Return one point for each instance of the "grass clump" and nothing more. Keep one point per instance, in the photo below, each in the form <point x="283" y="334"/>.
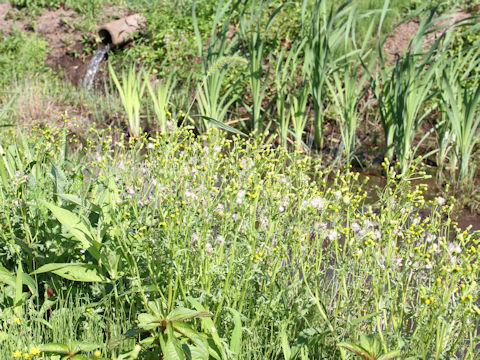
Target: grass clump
<point x="32" y="49"/>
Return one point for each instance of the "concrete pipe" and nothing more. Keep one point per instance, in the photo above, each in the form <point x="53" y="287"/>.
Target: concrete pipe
<point x="119" y="31"/>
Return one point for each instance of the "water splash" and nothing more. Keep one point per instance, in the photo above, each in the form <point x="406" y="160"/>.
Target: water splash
<point x="94" y="65"/>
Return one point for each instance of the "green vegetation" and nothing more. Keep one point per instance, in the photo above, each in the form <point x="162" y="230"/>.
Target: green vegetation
<point x="141" y="228"/>
<point x="208" y="201"/>
<point x="31" y="49"/>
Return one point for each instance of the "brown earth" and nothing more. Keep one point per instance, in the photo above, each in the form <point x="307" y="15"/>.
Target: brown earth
<point x="398" y="41"/>
<point x="58" y="27"/>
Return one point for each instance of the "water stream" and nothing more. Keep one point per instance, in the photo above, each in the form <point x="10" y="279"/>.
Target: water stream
<point x="94" y="65"/>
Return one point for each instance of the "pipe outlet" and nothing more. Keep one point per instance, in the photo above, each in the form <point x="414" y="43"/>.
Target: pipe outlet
<point x="119" y="31"/>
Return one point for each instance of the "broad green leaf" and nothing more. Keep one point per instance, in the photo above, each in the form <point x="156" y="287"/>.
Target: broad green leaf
<point x="73" y="271"/>
<point x="28" y="280"/>
<point x="84" y="346"/>
<point x="131" y="332"/>
<point x="72" y="198"/>
<point x="148" y="321"/>
<point x="198" y="353"/>
<point x="287" y="352"/>
<point x="18" y="285"/>
<point x="172" y="349"/>
<point x="208" y="324"/>
<point x="84" y="273"/>
<point x="187" y="331"/>
<point x="59" y="178"/>
<point x="52" y="267"/>
<point x="55" y="348"/>
<point x="6" y="277"/>
<point x="236" y="340"/>
<point x="371" y="343"/>
<point x="73" y="223"/>
<point x="148" y="341"/>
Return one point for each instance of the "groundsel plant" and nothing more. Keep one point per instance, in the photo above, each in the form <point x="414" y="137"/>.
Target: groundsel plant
<point x="189" y="235"/>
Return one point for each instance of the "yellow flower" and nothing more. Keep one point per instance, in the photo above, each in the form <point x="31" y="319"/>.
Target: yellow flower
<point x="28" y="355"/>
<point x="17" y="354"/>
<point x="16" y="320"/>
<point x="35" y="350"/>
<point x="97" y="353"/>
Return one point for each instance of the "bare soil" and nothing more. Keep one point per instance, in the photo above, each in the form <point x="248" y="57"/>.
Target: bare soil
<point x="398" y="41"/>
<point x="58" y="27"/>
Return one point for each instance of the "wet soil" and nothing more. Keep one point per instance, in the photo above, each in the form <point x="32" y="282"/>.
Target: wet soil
<point x="58" y="27"/>
<point x="399" y="40"/>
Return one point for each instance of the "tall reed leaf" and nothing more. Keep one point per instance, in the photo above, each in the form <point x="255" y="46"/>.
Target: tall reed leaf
<point x="461" y="107"/>
<point x="130" y="88"/>
<point x="161" y="98"/>
<point x="212" y="101"/>
<point x="327" y="31"/>
<point x="255" y="41"/>
<point x="403" y="91"/>
<point x="347" y="93"/>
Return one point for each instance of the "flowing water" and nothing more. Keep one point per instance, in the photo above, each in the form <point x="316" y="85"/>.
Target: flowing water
<point x="94" y="65"/>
